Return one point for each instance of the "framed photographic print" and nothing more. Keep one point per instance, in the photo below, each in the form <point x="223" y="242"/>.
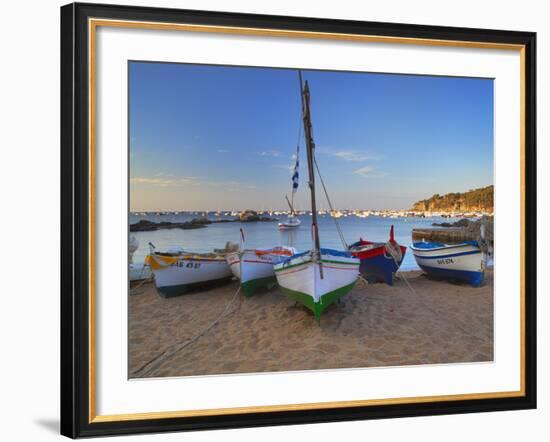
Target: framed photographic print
<point x="274" y="220"/>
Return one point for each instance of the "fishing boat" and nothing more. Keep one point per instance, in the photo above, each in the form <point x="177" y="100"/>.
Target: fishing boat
<point x="319" y="277"/>
<point x="178" y="271"/>
<point x="379" y="261"/>
<point x="254" y="267"/>
<point x="463" y="261"/>
<point x="136" y="272"/>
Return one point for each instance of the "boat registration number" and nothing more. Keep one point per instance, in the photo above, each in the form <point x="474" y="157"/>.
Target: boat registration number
<point x="189" y="265"/>
<point x="445" y="261"/>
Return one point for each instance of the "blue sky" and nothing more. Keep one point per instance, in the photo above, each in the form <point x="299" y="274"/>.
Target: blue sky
<point x="213" y="137"/>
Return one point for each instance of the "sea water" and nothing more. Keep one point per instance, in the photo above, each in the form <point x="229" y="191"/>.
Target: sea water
<point x="266" y="234"/>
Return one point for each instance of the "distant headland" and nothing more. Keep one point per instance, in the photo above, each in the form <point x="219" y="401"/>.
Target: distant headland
<point x="476" y="200"/>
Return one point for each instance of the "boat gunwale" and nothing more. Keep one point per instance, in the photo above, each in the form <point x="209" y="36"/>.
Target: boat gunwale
<point x="452" y="255"/>
<point x="444" y="247"/>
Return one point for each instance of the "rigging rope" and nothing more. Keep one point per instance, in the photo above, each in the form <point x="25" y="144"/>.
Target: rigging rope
<point x="153" y="364"/>
<point x="299" y="130"/>
<point x="296" y="159"/>
<point x="338" y="228"/>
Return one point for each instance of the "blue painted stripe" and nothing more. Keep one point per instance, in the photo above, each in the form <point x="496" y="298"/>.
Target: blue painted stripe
<point x="472" y="277"/>
<point x="452" y="255"/>
<point x="425" y="245"/>
<point x="331" y="252"/>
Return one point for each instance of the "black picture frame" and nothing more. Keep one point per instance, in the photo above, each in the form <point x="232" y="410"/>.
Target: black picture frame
<point x="75" y="219"/>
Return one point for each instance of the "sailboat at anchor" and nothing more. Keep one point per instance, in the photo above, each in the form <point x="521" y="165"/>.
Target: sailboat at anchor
<point x="292" y="222"/>
<point x="319" y="277"/>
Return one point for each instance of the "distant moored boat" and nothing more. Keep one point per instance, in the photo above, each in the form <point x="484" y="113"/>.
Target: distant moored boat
<point x="292" y="222"/>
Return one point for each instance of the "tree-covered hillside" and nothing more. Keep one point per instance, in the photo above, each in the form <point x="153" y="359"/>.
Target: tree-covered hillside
<point x="477" y="200"/>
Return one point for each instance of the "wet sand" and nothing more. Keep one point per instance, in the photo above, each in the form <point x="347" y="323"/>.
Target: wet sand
<point x="374" y="325"/>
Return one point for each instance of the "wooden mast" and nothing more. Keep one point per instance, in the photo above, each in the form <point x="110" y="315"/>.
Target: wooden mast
<point x="310" y="146"/>
<point x="292" y="212"/>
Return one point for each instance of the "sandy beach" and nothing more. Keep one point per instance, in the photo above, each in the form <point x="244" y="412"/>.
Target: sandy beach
<point x="374" y="325"/>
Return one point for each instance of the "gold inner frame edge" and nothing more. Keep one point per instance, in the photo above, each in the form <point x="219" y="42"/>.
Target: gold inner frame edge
<point x="93" y="24"/>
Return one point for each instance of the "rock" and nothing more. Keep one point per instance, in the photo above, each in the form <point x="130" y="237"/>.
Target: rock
<point x="442" y="224"/>
<point x="247" y="216"/>
<point x="148" y="226"/>
<point x="201" y="220"/>
<point x="461" y="223"/>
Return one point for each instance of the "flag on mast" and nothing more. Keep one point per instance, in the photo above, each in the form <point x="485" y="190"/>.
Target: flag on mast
<point x="296" y="174"/>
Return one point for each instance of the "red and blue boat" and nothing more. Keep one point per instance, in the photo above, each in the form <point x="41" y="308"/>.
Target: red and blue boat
<point x="379" y="261"/>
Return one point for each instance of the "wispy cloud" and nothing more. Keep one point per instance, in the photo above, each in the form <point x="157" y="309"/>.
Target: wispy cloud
<point x="270" y="153"/>
<point x="352" y="155"/>
<point x="162" y="182"/>
<point x="369" y="172"/>
<point x="348" y="155"/>
<point x="223" y="151"/>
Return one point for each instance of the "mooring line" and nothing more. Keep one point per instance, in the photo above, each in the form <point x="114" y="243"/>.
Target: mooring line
<point x="155" y="363"/>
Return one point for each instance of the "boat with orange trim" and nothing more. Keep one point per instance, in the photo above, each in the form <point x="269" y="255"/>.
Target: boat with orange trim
<point x="177" y="271"/>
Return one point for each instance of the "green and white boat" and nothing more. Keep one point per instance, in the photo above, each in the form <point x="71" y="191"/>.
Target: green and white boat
<point x="316" y="279"/>
<point x="319" y="277"/>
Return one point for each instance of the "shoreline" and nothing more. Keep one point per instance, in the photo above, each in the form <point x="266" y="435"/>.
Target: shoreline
<point x="376" y="325"/>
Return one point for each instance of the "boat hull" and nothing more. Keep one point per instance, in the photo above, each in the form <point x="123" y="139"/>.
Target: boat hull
<point x="300" y="279"/>
<point x="187" y="274"/>
<point x="290" y="224"/>
<point x="377" y="265"/>
<point x="254" y="267"/>
<point x="462" y="262"/>
<point x="139" y="272"/>
<point x="287" y="227"/>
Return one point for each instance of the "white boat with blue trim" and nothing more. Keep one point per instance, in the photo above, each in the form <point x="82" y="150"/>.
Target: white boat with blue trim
<point x="464" y="261"/>
<point x="291" y="223"/>
<point x="319" y="277"/>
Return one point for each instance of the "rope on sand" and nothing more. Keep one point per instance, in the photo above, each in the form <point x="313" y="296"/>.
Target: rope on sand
<point x="153" y="364"/>
<point x="363" y="280"/>
<point x="134" y="290"/>
<point x="401" y="275"/>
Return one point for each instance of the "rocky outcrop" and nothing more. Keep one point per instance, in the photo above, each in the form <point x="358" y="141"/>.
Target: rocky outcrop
<point x="464" y="222"/>
<point x="203" y="220"/>
<point x="247" y="216"/>
<point x="147" y="226"/>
